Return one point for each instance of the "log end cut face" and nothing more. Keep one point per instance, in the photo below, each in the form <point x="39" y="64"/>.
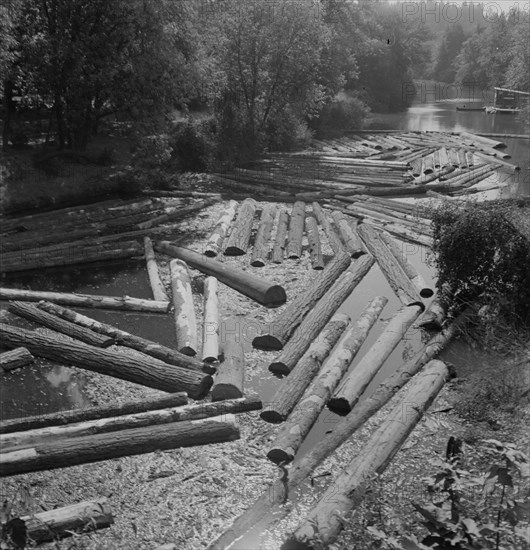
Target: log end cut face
<point x="267" y="342"/>
<point x="339" y="405"/>
<point x="280" y="456"/>
<point x="272" y="416"/>
<point x="275" y="296"/>
<point x="202" y="390"/>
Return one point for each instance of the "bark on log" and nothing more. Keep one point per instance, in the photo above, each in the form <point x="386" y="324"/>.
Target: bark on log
<point x="293" y="387"/>
<point x="325" y="521"/>
<point x="333" y="238"/>
<point x="94" y="448"/>
<point x="391" y="268"/>
<point x="296" y="231"/>
<point x="33" y="313"/>
<point x="123" y="338"/>
<point x="434" y="316"/>
<point x="269" y="508"/>
<point x="14" y="359"/>
<point x="62" y="418"/>
<point x="349" y="235"/>
<point x="210" y="331"/>
<point x="261" y="290"/>
<point x="313" y="239"/>
<point x="320" y="315"/>
<point x="356" y="382"/>
<point x="495" y="160"/>
<point x="148" y="372"/>
<point x="231" y="372"/>
<point x="213" y="246"/>
<point x="85" y="300"/>
<point x="282" y="327"/>
<point x="293" y="432"/>
<point x="159" y="291"/>
<point x="239" y="239"/>
<point x="157" y="417"/>
<point x="493" y="144"/>
<point x="177" y="215"/>
<point x="260" y="252"/>
<point x="281" y="235"/>
<point x="185" y="321"/>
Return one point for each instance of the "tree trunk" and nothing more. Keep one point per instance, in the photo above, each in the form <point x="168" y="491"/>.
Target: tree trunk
<point x="231" y="372"/>
<point x="315" y="251"/>
<point x="325" y="521"/>
<point x="349" y="235"/>
<point x="210" y="331"/>
<point x="239" y="239"/>
<point x="296" y="231"/>
<point x="281" y="234"/>
<point x="260" y="252"/>
<point x="304" y="415"/>
<point x="357" y="381"/>
<point x="33" y="313"/>
<point x="213" y="246"/>
<point x="122" y="338"/>
<point x="135" y="441"/>
<point x="159" y="291"/>
<point x="14" y="359"/>
<point x="293" y="387"/>
<point x="282" y="327"/>
<point x="261" y="290"/>
<point x="85" y="300"/>
<point x="333" y="238"/>
<point x="185" y="321"/>
<point x="320" y="315"/>
<point x="148" y="372"/>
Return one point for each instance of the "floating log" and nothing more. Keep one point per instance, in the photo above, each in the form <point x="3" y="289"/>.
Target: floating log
<point x="123" y="338"/>
<point x="148" y="372"/>
<point x="326" y="519"/>
<point x="453" y="158"/>
<point x="392" y="270"/>
<point x="434" y="316"/>
<point x="181" y="212"/>
<point x="293" y="432"/>
<point x="293" y="387"/>
<point x="428" y="164"/>
<point x="231" y="372"/>
<point x="154" y="417"/>
<point x="282" y="327"/>
<point x="313" y="239"/>
<point x="185" y="321"/>
<point x="296" y="231"/>
<point x="495" y="160"/>
<point x="260" y="252"/>
<point x="281" y="235"/>
<point x="60" y="523"/>
<point x="72" y="416"/>
<point x="349" y="235"/>
<point x="14" y="359"/>
<point x="353" y="386"/>
<point x="85" y="300"/>
<point x="135" y="441"/>
<point x="481" y="139"/>
<point x="397" y="251"/>
<point x="210" y="331"/>
<point x="33" y="313"/>
<point x="261" y="290"/>
<point x="159" y="291"/>
<point x="239" y="239"/>
<point x="320" y="315"/>
<point x="333" y="238"/>
<point x="270" y="507"/>
<point x="213" y="246"/>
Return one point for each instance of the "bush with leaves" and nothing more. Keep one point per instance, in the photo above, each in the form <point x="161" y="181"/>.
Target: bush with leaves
<point x="193" y="143"/>
<point x="342" y="113"/>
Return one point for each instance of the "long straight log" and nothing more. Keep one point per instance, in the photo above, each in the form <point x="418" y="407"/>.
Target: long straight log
<point x="313" y="239"/>
<point x="210" y="331"/>
<point x="269" y="507"/>
<point x="296" y="231"/>
<point x="320" y="315"/>
<point x="159" y="291"/>
<point x="260" y="251"/>
<point x="230" y="376"/>
<point x="213" y="246"/>
<point x="493" y="144"/>
<point x="135" y="441"/>
<point x="392" y="270"/>
<point x="148" y="372"/>
<point x="239" y="239"/>
<point x="15" y="359"/>
<point x="353" y="386"/>
<point x="123" y="338"/>
<point x="73" y="416"/>
<point x="281" y="235"/>
<point x="261" y="290"/>
<point x="177" y="214"/>
<point x="349" y="235"/>
<point x="495" y="160"/>
<point x="293" y="387"/>
<point x="85" y="300"/>
<point x="333" y="238"/>
<point x="279" y="331"/>
<point x="293" y="432"/>
<point x="33" y="313"/>
<point x="185" y="321"/>
<point x="325" y="520"/>
<point x="155" y="417"/>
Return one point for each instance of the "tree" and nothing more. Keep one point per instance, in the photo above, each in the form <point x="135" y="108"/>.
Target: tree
<point x="444" y="65"/>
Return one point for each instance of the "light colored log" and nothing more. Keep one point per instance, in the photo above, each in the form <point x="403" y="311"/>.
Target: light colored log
<point x="215" y="241"/>
<point x="296" y="231"/>
<point x="491" y="143"/>
<point x="281" y="235"/>
<point x="239" y="239"/>
<point x="159" y="291"/>
<point x="185" y="321"/>
<point x="14" y="359"/>
<point x="210" y="331"/>
<point x="230" y="377"/>
<point x="348" y="234"/>
<point x="260" y="251"/>
<point x="333" y="238"/>
<point x="313" y="239"/>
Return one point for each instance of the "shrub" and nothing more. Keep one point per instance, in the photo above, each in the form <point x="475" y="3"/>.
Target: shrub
<point x="193" y="144"/>
<point x="286" y="132"/>
<point x="342" y="113"/>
